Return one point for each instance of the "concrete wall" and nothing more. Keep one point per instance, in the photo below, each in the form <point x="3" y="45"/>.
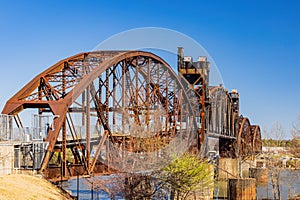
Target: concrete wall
<point x="6" y="158"/>
<point x="241" y="189"/>
<point x="260" y="174"/>
<point x="245" y="166"/>
<point x="228" y="168"/>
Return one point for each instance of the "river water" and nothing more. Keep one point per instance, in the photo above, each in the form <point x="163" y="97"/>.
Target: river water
<point x="289" y="181"/>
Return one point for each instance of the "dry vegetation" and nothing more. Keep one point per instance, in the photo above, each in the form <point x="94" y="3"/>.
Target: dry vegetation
<point x="20" y="186"/>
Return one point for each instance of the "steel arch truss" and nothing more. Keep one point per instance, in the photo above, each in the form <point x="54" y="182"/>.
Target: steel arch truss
<point x="222" y="117"/>
<point x="256" y="139"/>
<point x="249" y="138"/>
<point x="125" y="98"/>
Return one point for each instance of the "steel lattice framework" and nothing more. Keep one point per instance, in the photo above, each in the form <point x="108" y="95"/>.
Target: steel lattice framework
<point x="223" y="114"/>
<point x="114" y="92"/>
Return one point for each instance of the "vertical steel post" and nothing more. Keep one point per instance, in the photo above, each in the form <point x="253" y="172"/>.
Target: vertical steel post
<point x="40" y="110"/>
<point x="64" y="127"/>
<point x="64" y="148"/>
<point x="148" y="94"/>
<point x="107" y="113"/>
<point x="136" y="75"/>
<point x="114" y="94"/>
<point x="123" y="64"/>
<point x="88" y="131"/>
<point x="203" y="125"/>
<point x="83" y="95"/>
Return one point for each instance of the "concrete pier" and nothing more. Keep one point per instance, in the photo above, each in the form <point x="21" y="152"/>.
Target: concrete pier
<point x="242" y="189"/>
<point x="6" y="158"/>
<point x="245" y="165"/>
<point x="260" y="174"/>
<point x="228" y="168"/>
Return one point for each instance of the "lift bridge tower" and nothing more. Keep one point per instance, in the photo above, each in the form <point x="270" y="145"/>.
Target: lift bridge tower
<point x="218" y="118"/>
<point x="197" y="75"/>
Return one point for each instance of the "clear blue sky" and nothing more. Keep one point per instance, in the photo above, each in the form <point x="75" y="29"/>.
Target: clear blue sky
<point x="255" y="44"/>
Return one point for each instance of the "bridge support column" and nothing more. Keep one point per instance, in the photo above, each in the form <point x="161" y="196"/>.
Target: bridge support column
<point x="241" y="189"/>
<point x="260" y="174"/>
<point x="228" y="168"/>
<point x="64" y="150"/>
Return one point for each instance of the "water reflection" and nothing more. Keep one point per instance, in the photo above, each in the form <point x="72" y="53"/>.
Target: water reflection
<point x="86" y="191"/>
<point x="289" y="181"/>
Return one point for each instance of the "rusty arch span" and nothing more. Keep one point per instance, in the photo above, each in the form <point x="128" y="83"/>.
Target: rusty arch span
<point x="106" y="89"/>
<point x="256" y="139"/>
<point x="223" y="114"/>
<point x="249" y="138"/>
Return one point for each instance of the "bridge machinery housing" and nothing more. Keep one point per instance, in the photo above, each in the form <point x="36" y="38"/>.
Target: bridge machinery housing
<point x="92" y="109"/>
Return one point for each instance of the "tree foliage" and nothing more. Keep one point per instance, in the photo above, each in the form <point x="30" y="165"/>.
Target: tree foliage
<point x="185" y="174"/>
<point x="295" y="147"/>
<point x="276" y="143"/>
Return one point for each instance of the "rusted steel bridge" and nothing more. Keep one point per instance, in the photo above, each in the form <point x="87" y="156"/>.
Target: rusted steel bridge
<point x="101" y="106"/>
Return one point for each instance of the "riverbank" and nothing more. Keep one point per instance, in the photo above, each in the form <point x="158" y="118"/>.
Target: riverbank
<point x="21" y="186"/>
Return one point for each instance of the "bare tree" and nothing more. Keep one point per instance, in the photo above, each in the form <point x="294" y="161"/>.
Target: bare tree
<point x="278" y="132"/>
<point x="274" y="163"/>
<point x="295" y="146"/>
<point x="295" y="150"/>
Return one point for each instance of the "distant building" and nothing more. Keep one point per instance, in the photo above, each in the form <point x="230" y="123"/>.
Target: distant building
<point x="275" y="150"/>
